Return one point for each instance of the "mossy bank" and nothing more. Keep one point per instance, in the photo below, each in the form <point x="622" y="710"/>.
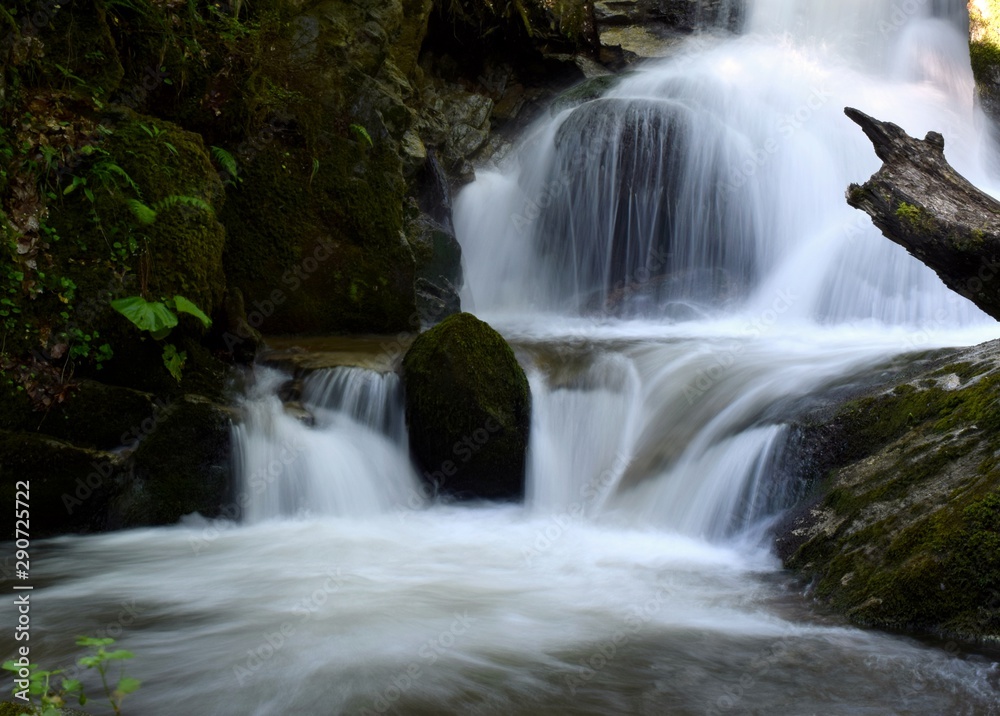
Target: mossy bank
<point x="903" y="532"/>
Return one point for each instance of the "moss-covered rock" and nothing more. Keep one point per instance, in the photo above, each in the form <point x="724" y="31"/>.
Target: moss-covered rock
<point x="181" y="466"/>
<point x="905" y="530"/>
<point x="69" y="487"/>
<point x="984" y="49"/>
<point x="468" y="409"/>
<point x="97" y="415"/>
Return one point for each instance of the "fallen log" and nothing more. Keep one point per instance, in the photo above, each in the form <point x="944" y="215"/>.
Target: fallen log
<point x="921" y="203"/>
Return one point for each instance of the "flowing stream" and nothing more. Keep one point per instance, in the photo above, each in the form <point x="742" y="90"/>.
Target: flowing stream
<point x="676" y="268"/>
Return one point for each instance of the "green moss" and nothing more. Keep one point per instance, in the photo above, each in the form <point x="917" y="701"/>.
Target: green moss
<point x="935" y="565"/>
<point x="181" y="467"/>
<point x="463" y="382"/>
<point x="322" y="250"/>
<point x="915" y="218"/>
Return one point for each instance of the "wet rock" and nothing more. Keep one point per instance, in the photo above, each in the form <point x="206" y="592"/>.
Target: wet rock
<point x="902" y="530"/>
<point x="468" y="410"/>
<point x="182" y="466"/>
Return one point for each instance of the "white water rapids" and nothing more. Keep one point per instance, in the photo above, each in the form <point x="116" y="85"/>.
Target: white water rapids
<point x="675" y="265"/>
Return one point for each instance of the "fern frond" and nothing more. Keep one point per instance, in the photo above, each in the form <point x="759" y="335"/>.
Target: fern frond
<point x="225" y="160"/>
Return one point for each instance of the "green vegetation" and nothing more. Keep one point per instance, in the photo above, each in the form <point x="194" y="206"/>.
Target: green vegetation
<point x="913" y="511"/>
<point x="916" y="218"/>
<point x="51" y="698"/>
<point x="159" y="318"/>
<point x="463" y="382"/>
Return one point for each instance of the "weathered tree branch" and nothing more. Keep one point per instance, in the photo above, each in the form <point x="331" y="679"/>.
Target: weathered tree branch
<point x="921" y="203"/>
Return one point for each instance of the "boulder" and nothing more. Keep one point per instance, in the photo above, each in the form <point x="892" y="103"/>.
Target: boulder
<point x="903" y="530"/>
<point x="182" y="465"/>
<point x="468" y="409"/>
<point x="69" y="486"/>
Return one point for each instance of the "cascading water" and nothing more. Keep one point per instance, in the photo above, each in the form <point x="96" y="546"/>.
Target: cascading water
<point x="676" y="267"/>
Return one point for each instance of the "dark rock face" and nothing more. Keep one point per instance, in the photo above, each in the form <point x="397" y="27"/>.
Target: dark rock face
<point x="468" y="408"/>
<point x="182" y="466"/>
<point x="439" y="255"/>
<point x="69" y="487"/>
<point x="925" y="206"/>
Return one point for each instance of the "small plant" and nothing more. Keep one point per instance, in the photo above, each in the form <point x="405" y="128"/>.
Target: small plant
<point x="101" y="660"/>
<point x="50" y="699"/>
<point x="45" y="699"/>
<point x="158" y="318"/>
<point x="148" y="214"/>
<point x="362" y="133"/>
<point x="228" y="164"/>
<point x="157" y="134"/>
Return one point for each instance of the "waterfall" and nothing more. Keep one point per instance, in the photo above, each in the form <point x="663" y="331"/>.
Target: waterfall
<point x="698" y="206"/>
<point x="705" y="184"/>
<point x="352" y="461"/>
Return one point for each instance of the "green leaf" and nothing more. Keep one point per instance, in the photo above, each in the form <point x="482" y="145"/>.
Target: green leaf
<point x="77" y="181"/>
<point x="143" y="213"/>
<point x="174" y="360"/>
<point x="119" y="654"/>
<point x="128" y="685"/>
<point x="225" y="160"/>
<point x="363" y="133"/>
<point x="183" y="305"/>
<point x="93" y="641"/>
<point x="71" y="685"/>
<point x="11" y="665"/>
<point x="150" y="316"/>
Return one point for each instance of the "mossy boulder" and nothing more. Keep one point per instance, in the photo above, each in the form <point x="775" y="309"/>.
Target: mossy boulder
<point x="904" y="532"/>
<point x="468" y="408"/>
<point x="70" y="487"/>
<point x="99" y="416"/>
<point x="182" y="466"/>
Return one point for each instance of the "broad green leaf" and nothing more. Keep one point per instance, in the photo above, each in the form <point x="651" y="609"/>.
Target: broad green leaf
<point x="150" y="316"/>
<point x="71" y="685"/>
<point x="174" y="360"/>
<point x="182" y="305"/>
<point x="127" y="685"/>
